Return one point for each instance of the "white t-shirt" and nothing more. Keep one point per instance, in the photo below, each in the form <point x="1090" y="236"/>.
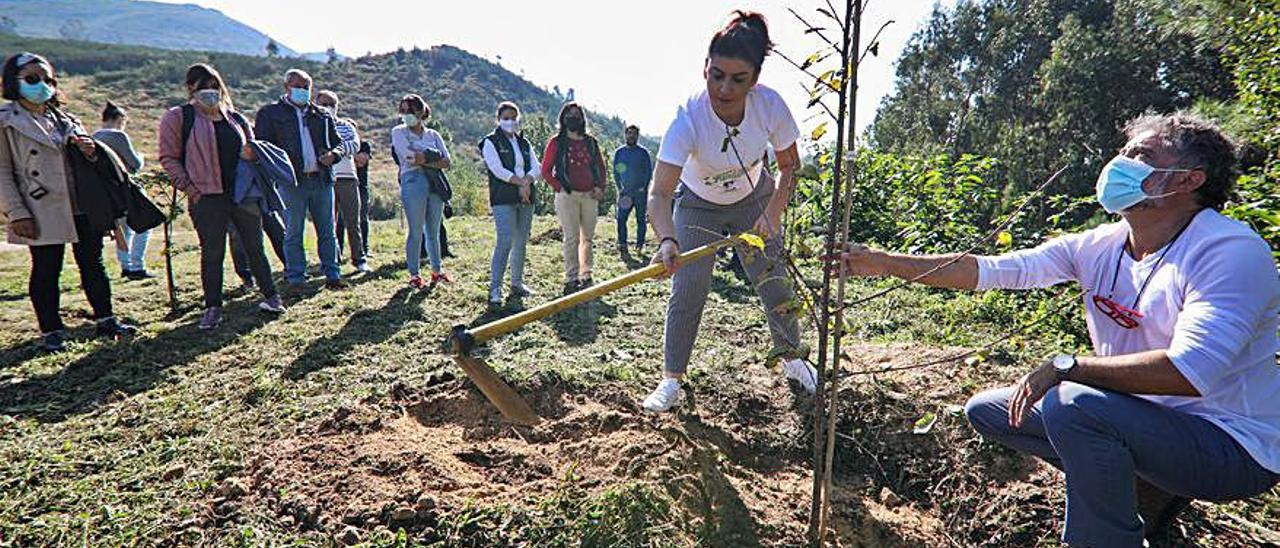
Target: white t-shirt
<point x="696" y="141"/>
<point x="1213" y="304"/>
<point x="407" y="144"/>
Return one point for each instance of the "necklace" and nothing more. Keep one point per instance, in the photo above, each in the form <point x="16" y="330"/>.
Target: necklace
<point x="1159" y="260"/>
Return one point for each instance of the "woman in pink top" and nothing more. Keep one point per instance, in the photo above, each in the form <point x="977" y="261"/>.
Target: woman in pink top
<point x="201" y="157"/>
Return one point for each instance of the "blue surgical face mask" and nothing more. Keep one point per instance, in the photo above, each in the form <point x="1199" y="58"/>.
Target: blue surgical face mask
<point x="300" y="96"/>
<point x="1120" y="183"/>
<point x="38" y="93"/>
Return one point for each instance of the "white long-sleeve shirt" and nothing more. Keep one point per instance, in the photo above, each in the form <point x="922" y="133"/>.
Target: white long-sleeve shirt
<point x="407" y="144"/>
<point x="491" y="159"/>
<point x="1213" y="304"/>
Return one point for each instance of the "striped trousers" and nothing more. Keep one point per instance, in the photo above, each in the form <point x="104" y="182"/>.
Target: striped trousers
<point x="699" y="222"/>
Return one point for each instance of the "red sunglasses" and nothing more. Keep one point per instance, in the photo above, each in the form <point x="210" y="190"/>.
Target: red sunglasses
<point x="1123" y="316"/>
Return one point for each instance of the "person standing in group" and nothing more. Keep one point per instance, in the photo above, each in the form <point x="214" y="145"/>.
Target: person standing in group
<point x="133" y="257"/>
<point x="421" y="150"/>
<point x="201" y="146"/>
<point x="574" y="168"/>
<point x="361" y="162"/>
<point x="632" y="169"/>
<point x="512" y="168"/>
<point x="346" y="184"/>
<point x="713" y="151"/>
<point x="38" y="195"/>
<point x="310" y="137"/>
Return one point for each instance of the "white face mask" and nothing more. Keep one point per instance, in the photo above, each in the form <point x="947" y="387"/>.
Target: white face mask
<point x="208" y="98"/>
<point x="509" y="126"/>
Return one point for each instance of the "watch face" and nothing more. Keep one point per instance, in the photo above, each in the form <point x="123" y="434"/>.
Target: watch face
<point x="1063" y="362"/>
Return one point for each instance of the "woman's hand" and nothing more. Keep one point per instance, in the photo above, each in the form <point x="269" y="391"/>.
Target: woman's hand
<point x="525" y="194"/>
<point x="597" y="194"/>
<point x="25" y="228"/>
<point x="86" y="145"/>
<point x="247" y="153"/>
<point x="666" y="255"/>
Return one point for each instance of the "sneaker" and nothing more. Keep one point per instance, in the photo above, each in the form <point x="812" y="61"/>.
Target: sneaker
<point x="417" y="282"/>
<point x="570" y="288"/>
<point x="273" y="304"/>
<point x="211" y="318"/>
<point x="522" y="291"/>
<point x="437" y="277"/>
<point x="113" y="328"/>
<point x="1158" y="508"/>
<point x="336" y="284"/>
<point x="54" y="341"/>
<point x="663" y="397"/>
<point x="364" y="268"/>
<point x="246" y="283"/>
<point x="800" y="371"/>
<point x="139" y="275"/>
<point x="585" y="283"/>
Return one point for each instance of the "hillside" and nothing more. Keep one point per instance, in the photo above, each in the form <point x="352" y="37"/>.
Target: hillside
<point x="462" y="88"/>
<point x="136" y="22"/>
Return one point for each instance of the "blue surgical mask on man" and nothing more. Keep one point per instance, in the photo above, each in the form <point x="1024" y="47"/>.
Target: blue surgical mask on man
<point x="1119" y="185"/>
<point x="38" y="93"/>
<point x="300" y="96"/>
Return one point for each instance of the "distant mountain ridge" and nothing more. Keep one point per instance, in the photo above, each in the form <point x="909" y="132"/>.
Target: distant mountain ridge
<point x="186" y="27"/>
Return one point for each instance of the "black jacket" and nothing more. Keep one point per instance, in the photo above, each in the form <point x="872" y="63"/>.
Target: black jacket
<point x="105" y="192"/>
<point x="277" y="124"/>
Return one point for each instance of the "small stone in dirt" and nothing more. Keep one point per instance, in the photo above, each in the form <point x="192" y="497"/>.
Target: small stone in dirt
<point x="610" y="421"/>
<point x="424" y="504"/>
<point x="174" y="472"/>
<point x="889" y="498"/>
<point x="403" y="514"/>
<point x="348" y="537"/>
<point x="231" y="488"/>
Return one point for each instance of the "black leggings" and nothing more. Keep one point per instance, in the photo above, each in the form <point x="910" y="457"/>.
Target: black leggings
<point x="46" y="269"/>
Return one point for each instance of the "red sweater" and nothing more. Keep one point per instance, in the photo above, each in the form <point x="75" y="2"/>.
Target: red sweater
<point x="580" y="179"/>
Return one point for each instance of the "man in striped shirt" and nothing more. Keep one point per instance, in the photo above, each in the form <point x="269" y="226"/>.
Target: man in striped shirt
<point x="346" y="185"/>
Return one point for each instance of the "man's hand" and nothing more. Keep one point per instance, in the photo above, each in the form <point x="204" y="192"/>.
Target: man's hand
<point x="666" y="255"/>
<point x="1029" y="390"/>
<point x="362" y="159"/>
<point x="25" y="228"/>
<point x="329" y="159"/>
<point x="860" y="261"/>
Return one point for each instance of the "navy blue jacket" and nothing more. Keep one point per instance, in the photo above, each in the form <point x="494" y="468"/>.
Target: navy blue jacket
<point x="277" y="124"/>
<point x="632" y="169"/>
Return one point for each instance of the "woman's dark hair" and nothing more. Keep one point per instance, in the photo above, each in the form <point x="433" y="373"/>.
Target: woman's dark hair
<point x="112" y="112"/>
<point x="746" y="37"/>
<point x="507" y="105"/>
<point x="9" y="77"/>
<point x="414" y="100"/>
<point x="200" y="74"/>
<point x="564" y="111"/>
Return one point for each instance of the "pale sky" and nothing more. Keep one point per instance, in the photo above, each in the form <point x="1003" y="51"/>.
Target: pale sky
<point x="637" y="60"/>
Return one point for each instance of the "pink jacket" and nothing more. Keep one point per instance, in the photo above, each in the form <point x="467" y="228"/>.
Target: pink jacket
<point x="202" y="171"/>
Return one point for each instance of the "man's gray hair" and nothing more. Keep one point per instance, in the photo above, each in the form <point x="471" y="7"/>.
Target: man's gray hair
<point x="1199" y="144"/>
<point x="296" y="72"/>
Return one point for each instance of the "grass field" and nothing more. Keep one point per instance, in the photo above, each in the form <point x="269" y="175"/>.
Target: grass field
<point x="344" y="421"/>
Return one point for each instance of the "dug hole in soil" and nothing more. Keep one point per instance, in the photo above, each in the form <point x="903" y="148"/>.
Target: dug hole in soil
<point x="735" y="459"/>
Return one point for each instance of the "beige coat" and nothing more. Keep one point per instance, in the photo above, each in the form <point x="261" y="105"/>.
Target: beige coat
<point x="29" y="160"/>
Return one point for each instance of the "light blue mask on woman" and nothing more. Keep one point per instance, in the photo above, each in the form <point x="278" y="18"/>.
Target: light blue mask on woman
<point x="1120" y="183"/>
<point x="38" y="93"/>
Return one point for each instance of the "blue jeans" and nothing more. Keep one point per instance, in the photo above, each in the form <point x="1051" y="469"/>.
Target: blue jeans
<point x="135" y="258"/>
<point x="640" y="206"/>
<point x="422" y="208"/>
<point x="313" y="196"/>
<point x="1103" y="440"/>
<point x="513" y="223"/>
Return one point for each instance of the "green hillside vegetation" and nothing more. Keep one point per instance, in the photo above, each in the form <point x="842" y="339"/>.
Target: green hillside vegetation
<point x="155" y="24"/>
<point x="463" y="91"/>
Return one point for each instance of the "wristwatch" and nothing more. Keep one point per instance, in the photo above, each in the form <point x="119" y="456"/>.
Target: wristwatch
<point x="1063" y="364"/>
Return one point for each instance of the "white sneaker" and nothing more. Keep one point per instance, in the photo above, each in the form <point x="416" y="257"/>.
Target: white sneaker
<point x="800" y="371"/>
<point x="664" y="396"/>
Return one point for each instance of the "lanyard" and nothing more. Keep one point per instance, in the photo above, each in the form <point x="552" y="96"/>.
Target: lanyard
<point x="1159" y="260"/>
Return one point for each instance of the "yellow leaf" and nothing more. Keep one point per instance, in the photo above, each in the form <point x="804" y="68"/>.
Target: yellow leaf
<point x="752" y="240"/>
<point x="1004" y="239"/>
<point x="819" y="131"/>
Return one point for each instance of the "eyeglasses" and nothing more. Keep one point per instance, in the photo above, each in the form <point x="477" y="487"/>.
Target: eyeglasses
<point x="33" y="79"/>
<point x="1123" y="316"/>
